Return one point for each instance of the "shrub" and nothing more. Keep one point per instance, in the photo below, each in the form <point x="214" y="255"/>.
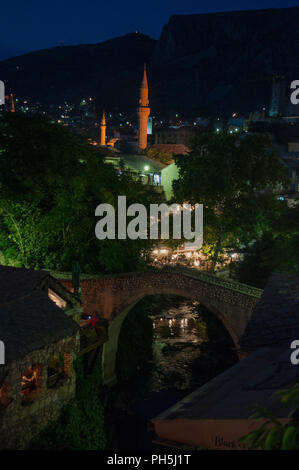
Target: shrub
<point x="81" y="423"/>
<point x="272" y="435"/>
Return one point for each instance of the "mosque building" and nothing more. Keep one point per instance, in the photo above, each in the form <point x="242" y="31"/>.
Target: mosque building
<point x="143" y="117"/>
<point x="150" y="171"/>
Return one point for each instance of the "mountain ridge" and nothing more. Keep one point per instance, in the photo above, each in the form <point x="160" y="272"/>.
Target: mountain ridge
<point x="210" y="62"/>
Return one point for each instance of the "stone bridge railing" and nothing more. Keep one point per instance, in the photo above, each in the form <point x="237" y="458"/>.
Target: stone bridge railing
<point x="190" y="272"/>
<point x="215" y="280"/>
<point x="96" y="287"/>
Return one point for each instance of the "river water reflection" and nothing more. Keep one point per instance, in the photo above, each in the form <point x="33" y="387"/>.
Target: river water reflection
<point x="186" y="354"/>
<point x="177" y="337"/>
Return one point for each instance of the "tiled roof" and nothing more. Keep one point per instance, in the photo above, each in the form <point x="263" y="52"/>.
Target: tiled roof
<point x="275" y="319"/>
<point x="32" y="322"/>
<point x="174" y="148"/>
<point x="16" y="282"/>
<point x="137" y="162"/>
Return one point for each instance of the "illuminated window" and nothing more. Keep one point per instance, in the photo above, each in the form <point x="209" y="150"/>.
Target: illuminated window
<point x="31" y="383"/>
<point x="59" y="301"/>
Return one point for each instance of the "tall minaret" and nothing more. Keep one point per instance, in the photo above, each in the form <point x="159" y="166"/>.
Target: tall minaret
<point x="278" y="96"/>
<point x="12" y="109"/>
<point x="103" y="130"/>
<point x="143" y="112"/>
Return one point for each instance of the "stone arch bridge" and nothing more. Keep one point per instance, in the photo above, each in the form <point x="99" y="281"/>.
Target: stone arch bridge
<point x="112" y="297"/>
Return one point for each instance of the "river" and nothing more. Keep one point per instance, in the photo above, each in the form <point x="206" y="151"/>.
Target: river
<point x="190" y="347"/>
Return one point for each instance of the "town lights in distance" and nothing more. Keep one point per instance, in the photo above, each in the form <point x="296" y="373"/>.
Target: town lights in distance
<point x="142" y="226"/>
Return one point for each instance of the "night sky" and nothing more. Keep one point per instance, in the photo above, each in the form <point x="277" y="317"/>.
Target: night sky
<point x="36" y="24"/>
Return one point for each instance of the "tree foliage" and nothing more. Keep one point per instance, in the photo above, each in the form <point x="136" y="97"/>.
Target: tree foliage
<point x="277" y="250"/>
<point x="51" y="181"/>
<point x="272" y="434"/>
<point x="233" y="177"/>
<point x="81" y="423"/>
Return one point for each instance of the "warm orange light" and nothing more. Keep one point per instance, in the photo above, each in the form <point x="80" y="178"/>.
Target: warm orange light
<point x="103" y="130"/>
<point x="143" y="112"/>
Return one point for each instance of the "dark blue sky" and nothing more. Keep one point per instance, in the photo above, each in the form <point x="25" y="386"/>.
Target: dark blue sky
<point x="30" y="25"/>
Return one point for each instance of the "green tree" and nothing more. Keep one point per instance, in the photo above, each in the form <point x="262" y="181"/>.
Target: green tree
<point x="81" y="423"/>
<point x="272" y="434"/>
<point x="276" y="251"/>
<point x="233" y="177"/>
<point x="51" y="181"/>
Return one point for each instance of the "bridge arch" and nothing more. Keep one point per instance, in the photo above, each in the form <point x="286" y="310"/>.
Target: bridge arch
<point x="110" y="348"/>
<point x="112" y="297"/>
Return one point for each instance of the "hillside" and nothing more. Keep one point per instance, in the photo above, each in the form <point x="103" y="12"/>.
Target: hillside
<point x="225" y="61"/>
<point x="216" y="62"/>
<point x="70" y="73"/>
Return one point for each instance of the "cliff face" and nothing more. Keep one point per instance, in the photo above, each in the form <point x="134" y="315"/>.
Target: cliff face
<point x="196" y="34"/>
<point x="225" y="61"/>
<point x="220" y="62"/>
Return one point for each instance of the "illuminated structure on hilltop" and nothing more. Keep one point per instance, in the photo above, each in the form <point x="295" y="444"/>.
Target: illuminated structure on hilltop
<point x="103" y="130"/>
<point x="278" y="96"/>
<point x="143" y="112"/>
<point x="12" y="109"/>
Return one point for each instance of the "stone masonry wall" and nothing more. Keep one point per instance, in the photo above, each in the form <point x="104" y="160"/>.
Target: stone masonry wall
<point x="107" y="296"/>
<point x="20" y="423"/>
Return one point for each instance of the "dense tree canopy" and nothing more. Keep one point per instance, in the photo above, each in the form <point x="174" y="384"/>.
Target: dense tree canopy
<point x="234" y="178"/>
<point x="50" y="184"/>
<point x="276" y="251"/>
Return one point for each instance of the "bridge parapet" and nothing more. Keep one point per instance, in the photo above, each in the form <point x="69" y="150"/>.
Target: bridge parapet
<point x="189" y="272"/>
<point x="217" y="281"/>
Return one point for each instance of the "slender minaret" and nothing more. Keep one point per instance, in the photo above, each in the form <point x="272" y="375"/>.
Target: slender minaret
<point x="143" y="112"/>
<point x="12" y="109"/>
<point x="103" y="130"/>
<point x="278" y="96"/>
